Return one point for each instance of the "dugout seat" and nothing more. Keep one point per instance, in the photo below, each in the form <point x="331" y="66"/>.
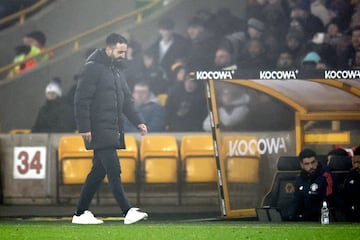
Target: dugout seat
<point x="240" y="168"/>
<point x="283" y="185"/>
<point x="198" y="158"/>
<point x="159" y="158"/>
<point x="339" y="167"/>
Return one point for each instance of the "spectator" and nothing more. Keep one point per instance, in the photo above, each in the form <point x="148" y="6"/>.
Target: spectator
<point x="356" y="64"/>
<point x="134" y="62"/>
<point x="325" y="50"/>
<point x="347" y="58"/>
<point x="170" y="46"/>
<point x="148" y="107"/>
<point x="312" y="62"/>
<point x="185" y="106"/>
<point x="312" y="187"/>
<point x="352" y="189"/>
<point x="312" y="24"/>
<point x="203" y="45"/>
<point x="276" y="20"/>
<point x="154" y="74"/>
<point x="224" y="57"/>
<point x="333" y="34"/>
<point x="295" y="45"/>
<point x="256" y="31"/>
<point x="38" y="39"/>
<point x="232" y="111"/>
<point x="179" y="70"/>
<point x="225" y="22"/>
<point x="285" y="61"/>
<point x="255" y="28"/>
<point x="254" y="56"/>
<point x="24" y="56"/>
<point x="53" y="116"/>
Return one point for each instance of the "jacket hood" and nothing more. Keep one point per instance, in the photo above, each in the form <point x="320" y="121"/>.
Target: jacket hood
<point x="99" y="56"/>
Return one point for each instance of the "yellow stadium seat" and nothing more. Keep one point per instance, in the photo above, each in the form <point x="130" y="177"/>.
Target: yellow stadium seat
<point x="241" y="159"/>
<point x="162" y="98"/>
<point x="75" y="160"/>
<point x="159" y="156"/>
<point x="128" y="160"/>
<point x="198" y="159"/>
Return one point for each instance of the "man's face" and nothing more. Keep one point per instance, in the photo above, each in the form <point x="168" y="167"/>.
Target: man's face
<point x="356" y="162"/>
<point x="222" y="58"/>
<point x="141" y="94"/>
<point x="253" y="33"/>
<point x="292" y="43"/>
<point x="194" y="31"/>
<point x="190" y="85"/>
<point x="357" y="58"/>
<point x="51" y="96"/>
<point x="309" y="164"/>
<point x="166" y="34"/>
<point x="117" y="52"/>
<point x="355" y="39"/>
<point x="284" y="60"/>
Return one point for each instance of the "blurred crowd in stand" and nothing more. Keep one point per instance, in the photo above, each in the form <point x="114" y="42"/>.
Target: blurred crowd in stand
<point x="271" y="34"/>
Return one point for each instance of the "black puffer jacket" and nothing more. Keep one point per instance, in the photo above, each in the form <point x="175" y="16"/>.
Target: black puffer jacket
<point x="101" y="97"/>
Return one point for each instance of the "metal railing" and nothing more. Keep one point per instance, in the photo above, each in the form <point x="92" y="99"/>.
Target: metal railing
<point x="75" y="40"/>
<point x="21" y="15"/>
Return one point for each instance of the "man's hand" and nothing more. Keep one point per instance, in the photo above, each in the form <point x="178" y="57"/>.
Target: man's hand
<point x="87" y="136"/>
<point x="143" y="129"/>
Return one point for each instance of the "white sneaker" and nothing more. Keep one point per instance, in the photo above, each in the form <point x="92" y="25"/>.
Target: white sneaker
<point x="134" y="215"/>
<point x="86" y="218"/>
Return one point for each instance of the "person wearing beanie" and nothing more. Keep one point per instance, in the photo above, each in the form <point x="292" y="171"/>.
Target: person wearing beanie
<point x="52" y="116"/>
<point x="24" y="57"/>
<point x="352" y="189"/>
<point x="255" y="28"/>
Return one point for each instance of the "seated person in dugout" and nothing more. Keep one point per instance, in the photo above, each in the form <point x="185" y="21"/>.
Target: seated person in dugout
<point x="312" y="187"/>
<point x="352" y="189"/>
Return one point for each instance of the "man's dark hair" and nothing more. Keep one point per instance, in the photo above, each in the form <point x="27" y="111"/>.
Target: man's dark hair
<point x="306" y="153"/>
<point x="166" y="23"/>
<point x="338" y="152"/>
<point x="357" y="151"/>
<point x="115" y="38"/>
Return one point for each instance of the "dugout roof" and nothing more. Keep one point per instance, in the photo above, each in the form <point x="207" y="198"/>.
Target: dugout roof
<point x="309" y="96"/>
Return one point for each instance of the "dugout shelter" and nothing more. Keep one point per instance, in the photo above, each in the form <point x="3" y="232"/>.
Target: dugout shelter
<point x="282" y="117"/>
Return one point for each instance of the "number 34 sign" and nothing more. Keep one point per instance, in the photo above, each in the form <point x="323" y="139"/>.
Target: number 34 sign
<point x="29" y="162"/>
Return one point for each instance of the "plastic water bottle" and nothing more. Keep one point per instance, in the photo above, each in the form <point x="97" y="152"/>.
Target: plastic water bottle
<point x="325" y="213"/>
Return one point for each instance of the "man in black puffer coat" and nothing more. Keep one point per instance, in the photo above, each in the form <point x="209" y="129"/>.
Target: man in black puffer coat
<point x="313" y="186"/>
<point x="101" y="97"/>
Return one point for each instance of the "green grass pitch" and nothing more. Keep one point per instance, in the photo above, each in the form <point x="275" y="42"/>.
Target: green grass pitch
<point x="153" y="230"/>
